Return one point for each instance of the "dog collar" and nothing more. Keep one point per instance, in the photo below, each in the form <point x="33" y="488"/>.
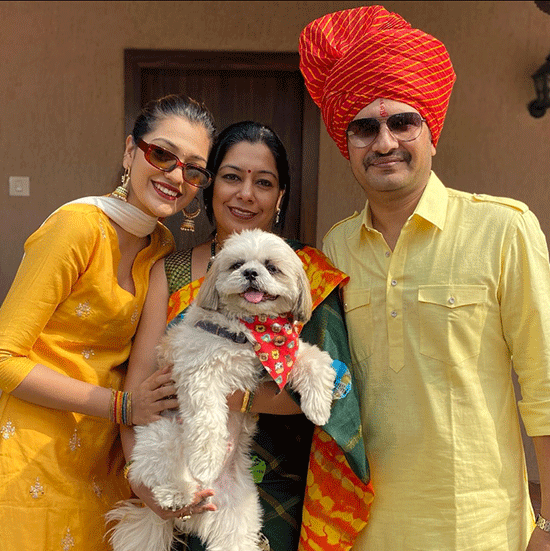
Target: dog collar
<point x="275" y="343"/>
<point x="215" y="329"/>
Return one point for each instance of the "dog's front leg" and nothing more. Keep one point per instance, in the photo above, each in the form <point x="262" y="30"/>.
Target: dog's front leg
<point x="157" y="464"/>
<point x="313" y="378"/>
<point x="204" y="414"/>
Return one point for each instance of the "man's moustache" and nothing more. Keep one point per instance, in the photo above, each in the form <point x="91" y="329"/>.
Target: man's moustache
<point x="375" y="158"/>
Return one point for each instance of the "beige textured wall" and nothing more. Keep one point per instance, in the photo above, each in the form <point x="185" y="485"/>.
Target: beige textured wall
<point x="61" y="99"/>
<point x="62" y="109"/>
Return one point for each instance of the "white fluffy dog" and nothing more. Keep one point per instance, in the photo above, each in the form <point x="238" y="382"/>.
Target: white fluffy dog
<point x="256" y="273"/>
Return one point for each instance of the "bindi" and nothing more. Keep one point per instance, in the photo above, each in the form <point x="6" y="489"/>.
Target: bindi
<point x="383" y="112"/>
<point x="249" y="171"/>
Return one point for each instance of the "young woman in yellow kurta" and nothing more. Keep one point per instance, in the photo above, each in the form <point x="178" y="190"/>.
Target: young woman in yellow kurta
<point x="66" y="327"/>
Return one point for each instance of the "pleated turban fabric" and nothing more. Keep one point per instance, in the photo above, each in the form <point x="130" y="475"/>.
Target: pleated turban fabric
<point x="352" y="57"/>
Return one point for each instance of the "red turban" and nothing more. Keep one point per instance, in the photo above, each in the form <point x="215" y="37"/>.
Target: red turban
<point x="351" y="58"/>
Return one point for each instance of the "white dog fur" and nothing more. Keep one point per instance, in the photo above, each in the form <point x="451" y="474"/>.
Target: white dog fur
<point x="209" y="447"/>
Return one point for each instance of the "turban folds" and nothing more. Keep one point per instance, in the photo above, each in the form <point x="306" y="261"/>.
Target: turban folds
<point x="351" y="58"/>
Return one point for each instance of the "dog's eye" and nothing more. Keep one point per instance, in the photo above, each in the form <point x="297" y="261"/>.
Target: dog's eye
<point x="237" y="265"/>
<point x="271" y="268"/>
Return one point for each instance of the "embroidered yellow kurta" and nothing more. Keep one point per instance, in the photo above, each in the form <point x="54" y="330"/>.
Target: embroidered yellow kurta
<point x="433" y="326"/>
<point x="60" y="471"/>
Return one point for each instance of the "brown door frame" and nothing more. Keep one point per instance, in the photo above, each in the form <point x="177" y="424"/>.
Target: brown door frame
<point x="135" y="60"/>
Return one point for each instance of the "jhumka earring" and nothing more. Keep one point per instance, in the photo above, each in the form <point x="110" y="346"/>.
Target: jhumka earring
<point x="188" y="223"/>
<point x="277" y="217"/>
<point x="121" y="192"/>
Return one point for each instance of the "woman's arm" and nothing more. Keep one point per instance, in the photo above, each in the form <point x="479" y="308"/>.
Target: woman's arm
<point x="143" y="357"/>
<point x="152" y="386"/>
<point x="267" y="399"/>
<point x="45" y="387"/>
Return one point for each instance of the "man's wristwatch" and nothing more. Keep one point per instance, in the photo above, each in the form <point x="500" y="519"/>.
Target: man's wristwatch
<point x="543" y="524"/>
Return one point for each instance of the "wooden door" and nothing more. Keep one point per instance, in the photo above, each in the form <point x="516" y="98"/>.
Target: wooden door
<point x="238" y="86"/>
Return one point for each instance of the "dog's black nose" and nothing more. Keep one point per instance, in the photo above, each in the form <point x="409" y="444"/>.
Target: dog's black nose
<point x="251" y="275"/>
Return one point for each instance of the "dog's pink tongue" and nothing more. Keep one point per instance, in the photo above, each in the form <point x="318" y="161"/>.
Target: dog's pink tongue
<point x="253" y="296"/>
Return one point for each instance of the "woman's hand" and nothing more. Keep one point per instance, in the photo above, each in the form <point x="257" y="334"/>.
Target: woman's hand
<point x="199" y="505"/>
<point x="153" y="396"/>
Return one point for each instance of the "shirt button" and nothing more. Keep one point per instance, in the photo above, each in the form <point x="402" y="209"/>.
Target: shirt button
<point x="394" y="314"/>
<point x="388" y="254"/>
<point x="393" y="283"/>
<point x="452" y="300"/>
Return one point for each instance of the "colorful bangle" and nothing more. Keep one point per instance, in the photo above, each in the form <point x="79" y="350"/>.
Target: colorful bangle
<point x="121" y="407"/>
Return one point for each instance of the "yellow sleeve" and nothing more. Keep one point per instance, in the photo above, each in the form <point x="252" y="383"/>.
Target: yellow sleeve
<point x="525" y="311"/>
<point x="55" y="256"/>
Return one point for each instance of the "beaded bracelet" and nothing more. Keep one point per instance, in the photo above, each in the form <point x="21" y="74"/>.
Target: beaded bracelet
<point x="121" y="407"/>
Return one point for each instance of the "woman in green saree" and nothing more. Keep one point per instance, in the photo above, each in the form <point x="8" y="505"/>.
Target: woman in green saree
<point x="251" y="190"/>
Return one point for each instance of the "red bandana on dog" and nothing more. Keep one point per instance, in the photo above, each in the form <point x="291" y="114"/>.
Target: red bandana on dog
<point x="276" y="344"/>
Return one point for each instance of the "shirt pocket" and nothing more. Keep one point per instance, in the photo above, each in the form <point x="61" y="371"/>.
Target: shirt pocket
<point x="358" y="310"/>
<point x="451" y="319"/>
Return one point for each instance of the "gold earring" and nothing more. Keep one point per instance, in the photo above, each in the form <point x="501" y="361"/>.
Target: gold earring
<point x="121" y="192"/>
<point x="188" y="223"/>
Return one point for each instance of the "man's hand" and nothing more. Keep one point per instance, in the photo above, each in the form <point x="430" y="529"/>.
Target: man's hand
<point x="540" y="541"/>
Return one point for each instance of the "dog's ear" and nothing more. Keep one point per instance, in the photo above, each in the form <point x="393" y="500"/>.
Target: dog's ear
<point x="208" y="297"/>
<point x="302" y="308"/>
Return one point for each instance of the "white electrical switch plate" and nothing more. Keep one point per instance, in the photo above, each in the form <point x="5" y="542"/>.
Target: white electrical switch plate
<point x="19" y="186"/>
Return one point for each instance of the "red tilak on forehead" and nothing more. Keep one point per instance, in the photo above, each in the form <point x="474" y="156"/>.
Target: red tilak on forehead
<point x="383" y="112"/>
<point x="249" y="171"/>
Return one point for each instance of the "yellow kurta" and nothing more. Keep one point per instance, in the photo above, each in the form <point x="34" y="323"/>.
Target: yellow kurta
<point x="433" y="326"/>
<point x="60" y="471"/>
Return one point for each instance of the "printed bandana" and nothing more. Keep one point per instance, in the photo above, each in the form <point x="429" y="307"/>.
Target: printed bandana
<point x="275" y="343"/>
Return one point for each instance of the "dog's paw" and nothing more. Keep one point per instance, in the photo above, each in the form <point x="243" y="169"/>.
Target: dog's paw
<point x="317" y="408"/>
<point x="173" y="498"/>
<point x="313" y="377"/>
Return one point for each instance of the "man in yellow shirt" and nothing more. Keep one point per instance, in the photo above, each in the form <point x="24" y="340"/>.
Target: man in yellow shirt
<point x="447" y="291"/>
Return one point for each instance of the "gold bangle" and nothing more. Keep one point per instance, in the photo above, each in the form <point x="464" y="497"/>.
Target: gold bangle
<point x="127" y="411"/>
<point x="126" y="470"/>
<point x="249" y="405"/>
<point x="112" y="414"/>
<point x="246" y="399"/>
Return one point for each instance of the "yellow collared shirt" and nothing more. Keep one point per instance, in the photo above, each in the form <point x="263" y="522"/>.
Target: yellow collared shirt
<point x="433" y="326"/>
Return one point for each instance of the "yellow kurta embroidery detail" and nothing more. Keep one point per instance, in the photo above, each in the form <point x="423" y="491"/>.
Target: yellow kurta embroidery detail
<point x="68" y="541"/>
<point x="83" y="310"/>
<point x="7" y="430"/>
<point x="37" y="490"/>
<point x="98" y="491"/>
<point x="135" y="315"/>
<point x="75" y="442"/>
<point x="87" y="353"/>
